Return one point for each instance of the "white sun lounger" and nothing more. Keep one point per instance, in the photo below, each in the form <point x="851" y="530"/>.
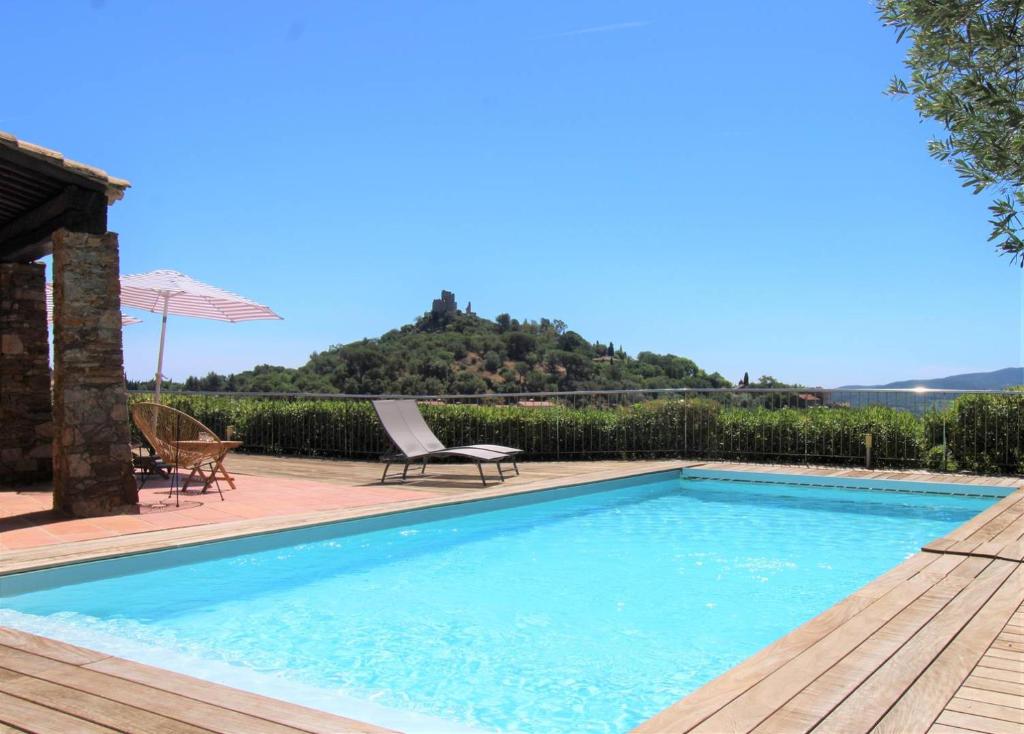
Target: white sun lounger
<point x="415" y="442"/>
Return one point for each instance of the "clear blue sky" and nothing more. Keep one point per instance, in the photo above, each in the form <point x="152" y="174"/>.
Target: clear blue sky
<point x="721" y="181"/>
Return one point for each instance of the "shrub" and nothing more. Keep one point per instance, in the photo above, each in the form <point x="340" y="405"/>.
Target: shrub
<point x="939" y="459"/>
<point x="985" y="432"/>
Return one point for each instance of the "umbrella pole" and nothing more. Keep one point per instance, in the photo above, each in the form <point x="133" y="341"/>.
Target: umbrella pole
<point x="160" y="357"/>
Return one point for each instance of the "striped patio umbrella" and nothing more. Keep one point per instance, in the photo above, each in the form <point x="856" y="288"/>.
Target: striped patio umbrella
<point x="169" y="292"/>
<point x="125" y="318"/>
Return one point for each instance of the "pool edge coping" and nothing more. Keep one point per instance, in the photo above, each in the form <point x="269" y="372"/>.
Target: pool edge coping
<point x="96" y="549"/>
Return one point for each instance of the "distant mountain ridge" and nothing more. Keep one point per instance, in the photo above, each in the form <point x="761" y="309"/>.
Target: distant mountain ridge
<point x="995" y="380"/>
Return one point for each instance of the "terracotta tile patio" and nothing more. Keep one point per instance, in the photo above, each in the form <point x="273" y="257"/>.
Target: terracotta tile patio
<point x="27" y="520"/>
<point x="268" y="487"/>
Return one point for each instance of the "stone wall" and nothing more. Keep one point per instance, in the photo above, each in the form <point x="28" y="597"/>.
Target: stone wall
<point x="26" y="423"/>
<point x="92" y="469"/>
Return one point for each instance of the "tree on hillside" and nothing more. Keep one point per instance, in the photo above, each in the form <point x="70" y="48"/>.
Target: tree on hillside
<point x="520" y="345"/>
<point x="570" y="341"/>
<point x="967" y="73"/>
<point x="492" y="361"/>
<point x="211" y="383"/>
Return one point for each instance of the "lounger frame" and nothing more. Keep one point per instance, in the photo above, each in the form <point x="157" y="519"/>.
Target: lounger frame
<point x="415" y="443"/>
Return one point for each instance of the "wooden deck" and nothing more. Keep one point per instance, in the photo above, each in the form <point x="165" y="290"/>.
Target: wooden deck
<point x="49" y="686"/>
<point x="992" y="696"/>
<point x="933" y="645"/>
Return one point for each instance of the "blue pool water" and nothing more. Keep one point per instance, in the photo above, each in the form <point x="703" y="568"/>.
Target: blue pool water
<point x="579" y="610"/>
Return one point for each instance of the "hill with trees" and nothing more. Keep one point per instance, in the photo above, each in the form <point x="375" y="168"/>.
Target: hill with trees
<point x="450" y="351"/>
<point x="995" y="380"/>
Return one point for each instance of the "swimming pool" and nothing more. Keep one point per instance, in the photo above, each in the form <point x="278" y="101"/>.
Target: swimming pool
<point x="583" y="609"/>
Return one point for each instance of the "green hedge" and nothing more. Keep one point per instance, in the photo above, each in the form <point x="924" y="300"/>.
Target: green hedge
<point x="822" y="435"/>
<point x="984" y="433"/>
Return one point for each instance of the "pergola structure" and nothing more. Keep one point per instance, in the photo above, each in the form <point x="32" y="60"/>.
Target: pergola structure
<point x="74" y="431"/>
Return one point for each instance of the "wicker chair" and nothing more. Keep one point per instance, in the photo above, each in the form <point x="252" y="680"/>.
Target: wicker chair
<point x="183" y="442"/>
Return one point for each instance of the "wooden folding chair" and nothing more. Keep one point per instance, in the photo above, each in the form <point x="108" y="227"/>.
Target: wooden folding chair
<point x="183" y="442"/>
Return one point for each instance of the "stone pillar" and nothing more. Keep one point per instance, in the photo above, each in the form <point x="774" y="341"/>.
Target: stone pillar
<point x="92" y="467"/>
<point x="26" y="423"/>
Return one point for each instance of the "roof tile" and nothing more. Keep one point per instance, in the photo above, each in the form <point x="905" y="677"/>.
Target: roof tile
<point x="56" y="158"/>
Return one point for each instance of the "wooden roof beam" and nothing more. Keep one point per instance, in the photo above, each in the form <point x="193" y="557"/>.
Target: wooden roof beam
<point x="77" y="210"/>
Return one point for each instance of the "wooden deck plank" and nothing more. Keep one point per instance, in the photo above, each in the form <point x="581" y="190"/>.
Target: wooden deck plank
<point x="946" y="729"/>
<point x="252" y="704"/>
<point x="923" y="701"/>
<point x="990" y="514"/>
<point x="1013" y="655"/>
<point x="939" y="545"/>
<point x="1000" y="674"/>
<point x="120" y="716"/>
<point x="241" y="701"/>
<point x="988" y="710"/>
<point x="1013" y="665"/>
<point x="1006" y="645"/>
<point x="1012" y="551"/>
<point x="48" y="648"/>
<point x="982" y="724"/>
<point x="1013" y="700"/>
<point x="871" y="700"/>
<point x="988" y="687"/>
<point x="294" y="715"/>
<point x="1007" y="537"/>
<point x="919" y="563"/>
<point x="992" y="684"/>
<point x="158" y="701"/>
<point x="31" y="717"/>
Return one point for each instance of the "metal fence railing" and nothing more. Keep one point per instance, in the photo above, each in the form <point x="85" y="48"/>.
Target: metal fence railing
<point x="945" y="430"/>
